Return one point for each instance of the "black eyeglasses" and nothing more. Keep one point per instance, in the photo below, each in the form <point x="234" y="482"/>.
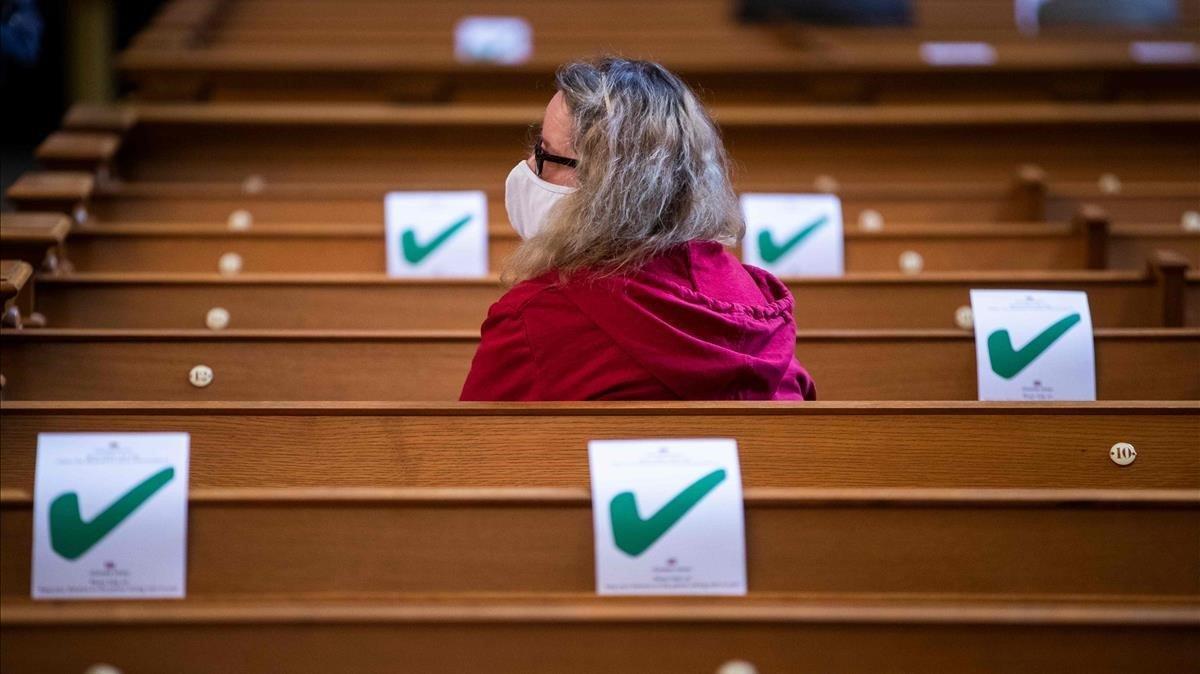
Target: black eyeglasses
<point x="540" y="157"/>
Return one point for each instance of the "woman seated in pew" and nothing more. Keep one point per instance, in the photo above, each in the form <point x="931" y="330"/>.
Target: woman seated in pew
<point x="623" y="287"/>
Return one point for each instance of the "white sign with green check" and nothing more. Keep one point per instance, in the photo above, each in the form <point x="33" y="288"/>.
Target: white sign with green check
<point x="1033" y="345"/>
<point x="110" y="516"/>
<point x="793" y="234"/>
<point x="436" y="234"/>
<point x="667" y="517"/>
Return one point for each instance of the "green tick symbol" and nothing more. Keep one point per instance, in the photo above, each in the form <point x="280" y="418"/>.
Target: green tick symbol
<point x="70" y="536"/>
<point x="415" y="252"/>
<point x="633" y="535"/>
<point x="771" y="252"/>
<point x="1007" y="362"/>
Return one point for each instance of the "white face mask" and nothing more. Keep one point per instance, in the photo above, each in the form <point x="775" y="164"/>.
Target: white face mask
<point x="528" y="199"/>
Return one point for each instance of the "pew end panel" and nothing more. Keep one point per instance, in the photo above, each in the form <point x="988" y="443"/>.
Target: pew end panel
<point x="38" y="239"/>
<point x="67" y="192"/>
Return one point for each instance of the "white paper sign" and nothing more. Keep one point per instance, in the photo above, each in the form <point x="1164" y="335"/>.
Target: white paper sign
<point x="793" y="234"/>
<point x="667" y="516"/>
<point x="1033" y="345"/>
<point x="507" y="40"/>
<point x="436" y="233"/>
<point x="958" y="53"/>
<point x="110" y="516"/>
<point x="1164" y="52"/>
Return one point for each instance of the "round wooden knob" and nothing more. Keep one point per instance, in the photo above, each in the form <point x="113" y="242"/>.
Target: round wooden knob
<point x="240" y="220"/>
<point x="911" y="262"/>
<point x="1109" y="183"/>
<point x="737" y="667"/>
<point x="229" y="264"/>
<point x="964" y="317"/>
<point x="870" y="220"/>
<point x="825" y="183"/>
<point x="254" y="184"/>
<point x="217" y="318"/>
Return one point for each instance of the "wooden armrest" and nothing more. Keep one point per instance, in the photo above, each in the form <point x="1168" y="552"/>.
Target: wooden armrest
<point x="48" y="228"/>
<point x="35" y="238"/>
<point x="1094" y="223"/>
<point x="13" y="276"/>
<point x="58" y="191"/>
<point x="1169" y="269"/>
<point x="78" y="150"/>
<point x="100" y="117"/>
<point x="16" y="295"/>
<point x="1030" y="188"/>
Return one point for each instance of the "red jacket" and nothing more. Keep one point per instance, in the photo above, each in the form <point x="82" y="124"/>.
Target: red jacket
<point x="693" y="324"/>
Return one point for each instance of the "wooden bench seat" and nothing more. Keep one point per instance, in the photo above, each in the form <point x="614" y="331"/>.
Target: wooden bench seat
<point x="1160" y="296"/>
<point x="572" y="633"/>
<point x="376" y="365"/>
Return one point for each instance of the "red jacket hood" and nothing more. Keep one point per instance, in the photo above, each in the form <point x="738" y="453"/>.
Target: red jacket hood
<point x="703" y="324"/>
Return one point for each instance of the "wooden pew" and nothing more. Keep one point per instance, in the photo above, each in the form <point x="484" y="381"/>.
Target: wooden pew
<point x="56" y="364"/>
<point x="358" y="248"/>
<point x="37" y="239"/>
<point x="1155" y="297"/>
<point x="324" y="53"/>
<point x="445" y="636"/>
<point x="16" y="293"/>
<point x="405" y="446"/>
<point x="1125" y="202"/>
<point x="938" y="143"/>
<point x="308" y="544"/>
<point x="1026" y="197"/>
<point x="864" y="204"/>
<point x="1046" y="497"/>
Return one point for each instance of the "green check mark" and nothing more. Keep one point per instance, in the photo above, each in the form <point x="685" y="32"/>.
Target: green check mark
<point x="633" y="535"/>
<point x="70" y="536"/>
<point x="771" y="252"/>
<point x="415" y="252"/>
<point x="1008" y="362"/>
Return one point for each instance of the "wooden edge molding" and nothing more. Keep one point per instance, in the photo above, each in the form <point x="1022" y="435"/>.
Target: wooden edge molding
<point x="14" y="274"/>
<point x="474" y="114"/>
<point x="73" y="186"/>
<point x="591" y="609"/>
<point x="78" y="146"/>
<point x="400" y="336"/>
<point x="102" y="117"/>
<point x="597" y="409"/>
<point x="755" y="497"/>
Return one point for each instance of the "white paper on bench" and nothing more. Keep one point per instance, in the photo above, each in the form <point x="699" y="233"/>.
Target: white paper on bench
<point x="507" y="40"/>
<point x="1164" y="52"/>
<point x="958" y="53"/>
<point x="436" y="234"/>
<point x="667" y="517"/>
<point x="793" y="234"/>
<point x="110" y="516"/>
<point x="1033" y="345"/>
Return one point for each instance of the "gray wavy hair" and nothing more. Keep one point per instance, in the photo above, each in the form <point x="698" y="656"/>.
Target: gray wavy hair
<point x="652" y="174"/>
